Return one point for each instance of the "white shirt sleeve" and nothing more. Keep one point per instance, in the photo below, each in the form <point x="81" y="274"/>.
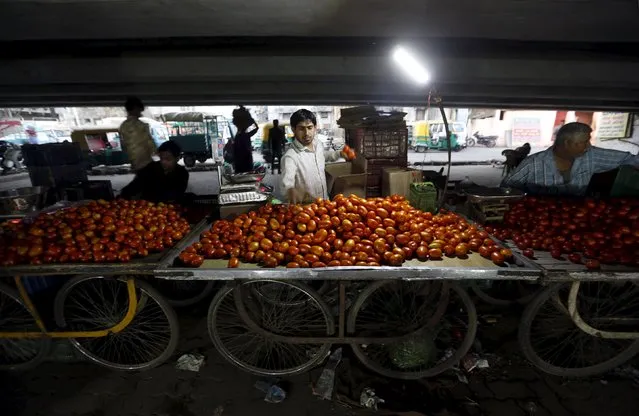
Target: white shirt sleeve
<point x="289" y="169"/>
<point x="332" y="155"/>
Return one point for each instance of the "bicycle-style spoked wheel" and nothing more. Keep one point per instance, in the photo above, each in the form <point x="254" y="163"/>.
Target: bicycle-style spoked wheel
<point x="289" y="309"/>
<point x="506" y="292"/>
<point x="271" y="292"/>
<point x="439" y="317"/>
<point x="552" y="342"/>
<point x="94" y="303"/>
<point x="19" y="353"/>
<point x="182" y="293"/>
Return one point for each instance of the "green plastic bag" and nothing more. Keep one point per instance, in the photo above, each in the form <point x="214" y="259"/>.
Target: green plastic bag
<point x="416" y="351"/>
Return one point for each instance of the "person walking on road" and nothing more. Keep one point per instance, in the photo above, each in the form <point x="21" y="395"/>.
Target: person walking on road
<point x="277" y="141"/>
<point x="136" y="136"/>
<point x="242" y="149"/>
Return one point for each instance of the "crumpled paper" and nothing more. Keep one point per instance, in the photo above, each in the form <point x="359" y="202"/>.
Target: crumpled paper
<point x="190" y="362"/>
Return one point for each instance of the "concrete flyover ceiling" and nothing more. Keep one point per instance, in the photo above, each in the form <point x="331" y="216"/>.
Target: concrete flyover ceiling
<point x="548" y="20"/>
<point x="510" y="53"/>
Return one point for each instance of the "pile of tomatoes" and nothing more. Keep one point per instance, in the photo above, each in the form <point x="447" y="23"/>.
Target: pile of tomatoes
<point x="345" y="231"/>
<point x="586" y="231"/>
<point x="100" y="231"/>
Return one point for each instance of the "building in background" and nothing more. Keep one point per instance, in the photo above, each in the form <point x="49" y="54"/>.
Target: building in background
<point x="539" y="127"/>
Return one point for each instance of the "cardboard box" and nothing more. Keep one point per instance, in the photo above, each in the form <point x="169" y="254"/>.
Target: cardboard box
<point x="396" y="181"/>
<point x="346" y="178"/>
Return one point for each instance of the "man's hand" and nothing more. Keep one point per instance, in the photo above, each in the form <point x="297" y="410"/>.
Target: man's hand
<point x="297" y="196"/>
<point x="348" y="153"/>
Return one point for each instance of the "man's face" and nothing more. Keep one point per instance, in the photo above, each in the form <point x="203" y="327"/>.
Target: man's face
<point x="168" y="161"/>
<point x="305" y="132"/>
<point x="579" y="145"/>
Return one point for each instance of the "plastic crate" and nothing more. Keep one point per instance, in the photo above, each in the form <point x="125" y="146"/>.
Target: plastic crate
<point x="377" y="166"/>
<point x="90" y="190"/>
<point x="55" y="176"/>
<point x="423" y="196"/>
<point x="52" y="154"/>
<point x="379" y="143"/>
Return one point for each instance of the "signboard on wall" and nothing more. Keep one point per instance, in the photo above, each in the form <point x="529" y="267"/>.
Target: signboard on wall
<point x="613" y="126"/>
<point x="526" y="130"/>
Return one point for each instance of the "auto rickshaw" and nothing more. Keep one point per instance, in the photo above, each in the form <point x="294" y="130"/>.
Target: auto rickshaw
<point x="101" y="145"/>
<point x="420" y="136"/>
<point x="436" y="137"/>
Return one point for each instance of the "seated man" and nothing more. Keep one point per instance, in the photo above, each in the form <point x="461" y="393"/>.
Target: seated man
<point x="567" y="166"/>
<point x="162" y="181"/>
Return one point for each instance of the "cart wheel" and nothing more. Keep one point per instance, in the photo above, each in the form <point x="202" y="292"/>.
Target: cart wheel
<point x="506" y="292"/>
<point x="442" y="318"/>
<point x="94" y="302"/>
<point x="303" y="314"/>
<point x="270" y="292"/>
<point x="552" y="342"/>
<point x="19" y="354"/>
<point x="189" y="161"/>
<point x="182" y="293"/>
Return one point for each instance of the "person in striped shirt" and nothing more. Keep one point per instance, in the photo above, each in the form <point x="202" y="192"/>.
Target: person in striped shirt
<point x="567" y="166"/>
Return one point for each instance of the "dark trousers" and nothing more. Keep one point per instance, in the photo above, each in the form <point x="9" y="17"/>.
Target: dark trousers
<point x="276" y="162"/>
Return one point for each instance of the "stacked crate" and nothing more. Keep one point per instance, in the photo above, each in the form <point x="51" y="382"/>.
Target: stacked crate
<point x="89" y="190"/>
<point x="380" y="138"/>
<point x="54" y="164"/>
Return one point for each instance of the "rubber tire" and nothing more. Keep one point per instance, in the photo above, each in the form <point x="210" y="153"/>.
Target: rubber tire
<point x="524" y="342"/>
<point x="470" y="143"/>
<point x="150" y="291"/>
<point x="501" y="302"/>
<point x="189" y="161"/>
<point x="45" y="343"/>
<point x="319" y="357"/>
<point x="181" y="303"/>
<point x="491" y="143"/>
<point x="439" y="368"/>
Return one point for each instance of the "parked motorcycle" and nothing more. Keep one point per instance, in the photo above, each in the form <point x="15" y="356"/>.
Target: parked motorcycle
<point x="476" y="138"/>
<point x="10" y="157"/>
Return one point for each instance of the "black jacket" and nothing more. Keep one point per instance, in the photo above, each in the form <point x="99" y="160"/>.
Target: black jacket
<point x="277" y="139"/>
<point x="152" y="184"/>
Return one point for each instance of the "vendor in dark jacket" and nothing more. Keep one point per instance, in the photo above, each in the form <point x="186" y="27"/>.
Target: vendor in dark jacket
<point x="162" y="181"/>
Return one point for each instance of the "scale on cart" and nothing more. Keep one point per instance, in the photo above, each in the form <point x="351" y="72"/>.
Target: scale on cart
<point x="485" y="204"/>
<point x="240" y="193"/>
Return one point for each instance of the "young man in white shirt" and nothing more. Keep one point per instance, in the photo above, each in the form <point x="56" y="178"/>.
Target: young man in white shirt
<point x="303" y="177"/>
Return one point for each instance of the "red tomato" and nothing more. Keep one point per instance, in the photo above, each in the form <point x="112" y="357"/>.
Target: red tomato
<point x="497" y="258"/>
<point x="592" y="264"/>
<point x="574" y="257"/>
